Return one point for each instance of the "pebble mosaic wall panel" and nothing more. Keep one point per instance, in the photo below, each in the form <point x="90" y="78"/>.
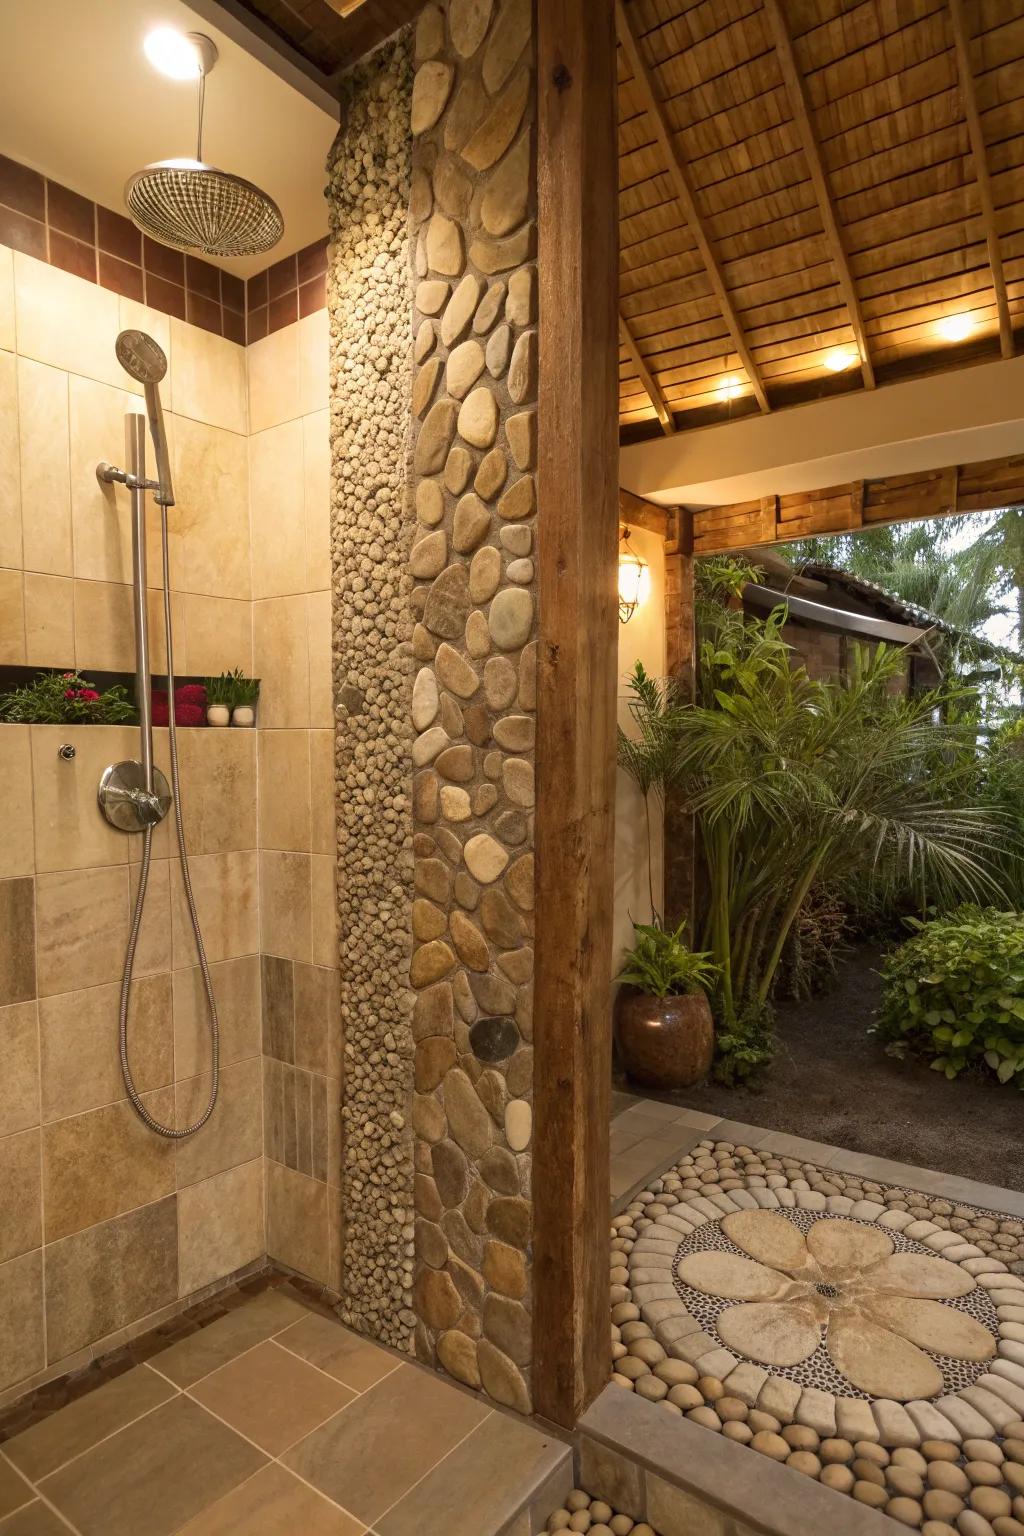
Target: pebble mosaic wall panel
<point x="473" y="204"/>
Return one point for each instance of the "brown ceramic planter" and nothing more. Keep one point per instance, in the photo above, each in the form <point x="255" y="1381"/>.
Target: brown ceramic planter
<point x="664" y="1042"/>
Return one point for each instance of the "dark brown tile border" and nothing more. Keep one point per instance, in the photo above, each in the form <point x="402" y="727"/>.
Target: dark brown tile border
<point x="43" y="219"/>
<point x="48" y="1399"/>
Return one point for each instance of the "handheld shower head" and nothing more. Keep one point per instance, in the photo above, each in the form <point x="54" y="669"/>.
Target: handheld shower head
<point x="145" y="360"/>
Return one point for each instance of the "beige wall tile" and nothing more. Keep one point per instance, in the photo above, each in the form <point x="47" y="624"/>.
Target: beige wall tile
<point x="316" y="469"/>
<point x="314" y="372"/>
<point x="236" y="990"/>
<point x="234" y="1132"/>
<point x="284" y="790"/>
<point x="274" y="388"/>
<point x="81" y="1060"/>
<point x="49" y="621"/>
<point x="22" y="1351"/>
<point x="225" y="888"/>
<point x="325" y="909"/>
<point x="210" y="521"/>
<point x="140" y="1248"/>
<point x="218" y="776"/>
<point x="133" y="316"/>
<point x="317" y="994"/>
<point x="220" y="1225"/>
<point x="17" y="940"/>
<point x="277" y="505"/>
<point x="99" y="1164"/>
<point x="6" y="298"/>
<point x="100" y="515"/>
<point x="154" y="951"/>
<point x="207" y="377"/>
<point x="12" y="619"/>
<point x="65" y="321"/>
<point x="19" y="1080"/>
<point x="322" y="791"/>
<point x="215" y="636"/>
<point x="10" y="478"/>
<point x="17" y="855"/>
<point x="281" y="660"/>
<point x="285" y="918"/>
<point x="321" y="695"/>
<point x="21" y="1228"/>
<point x="81" y="927"/>
<point x="44" y="437"/>
<point x="104" y="627"/>
<point x="71" y="831"/>
<point x="297" y="1222"/>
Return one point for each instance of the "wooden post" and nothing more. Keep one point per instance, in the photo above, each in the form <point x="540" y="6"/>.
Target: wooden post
<point x="577" y="265"/>
<point x="681" y="648"/>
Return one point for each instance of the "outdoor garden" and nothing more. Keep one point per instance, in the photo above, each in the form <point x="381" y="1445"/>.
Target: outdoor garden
<point x="856" y="925"/>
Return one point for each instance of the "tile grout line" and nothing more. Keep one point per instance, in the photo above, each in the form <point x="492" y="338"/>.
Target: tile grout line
<point x="440" y="1462"/>
<point x="102" y="1441"/>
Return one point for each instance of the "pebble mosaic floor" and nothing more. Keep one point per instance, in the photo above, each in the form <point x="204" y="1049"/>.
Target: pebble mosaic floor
<point x="866" y="1335"/>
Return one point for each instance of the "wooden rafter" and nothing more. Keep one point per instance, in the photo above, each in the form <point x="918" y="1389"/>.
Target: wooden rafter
<point x="638" y="513"/>
<point x="980" y="156"/>
<point x="647" y="379"/>
<point x="684" y="194"/>
<point x="801" y="108"/>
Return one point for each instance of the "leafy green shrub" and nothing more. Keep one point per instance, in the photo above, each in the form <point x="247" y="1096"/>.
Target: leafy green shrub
<point x="661" y="965"/>
<point x="64" y="698"/>
<point x="955" y="992"/>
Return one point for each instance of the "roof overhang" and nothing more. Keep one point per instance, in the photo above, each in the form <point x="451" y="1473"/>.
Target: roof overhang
<point x="827" y="617"/>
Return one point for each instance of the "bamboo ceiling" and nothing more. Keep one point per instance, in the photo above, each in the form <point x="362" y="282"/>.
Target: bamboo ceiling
<point x="806" y="178"/>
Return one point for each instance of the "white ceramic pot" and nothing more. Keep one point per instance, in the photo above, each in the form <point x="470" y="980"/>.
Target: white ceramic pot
<point x="244" y="714"/>
<point x="218" y="714"/>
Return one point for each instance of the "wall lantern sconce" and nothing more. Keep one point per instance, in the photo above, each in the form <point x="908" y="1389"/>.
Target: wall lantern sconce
<point x="634" y="579"/>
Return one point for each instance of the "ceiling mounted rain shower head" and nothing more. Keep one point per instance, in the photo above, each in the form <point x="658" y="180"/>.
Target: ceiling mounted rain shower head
<point x="193" y="206"/>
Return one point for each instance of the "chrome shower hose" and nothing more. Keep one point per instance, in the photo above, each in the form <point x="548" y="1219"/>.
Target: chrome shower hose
<point x="133" y="938"/>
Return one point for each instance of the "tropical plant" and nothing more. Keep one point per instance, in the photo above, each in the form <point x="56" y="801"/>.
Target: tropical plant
<point x="661" y="965"/>
<point x="64" y="698"/>
<point x="647" y="753"/>
<point x="955" y="992"/>
<point x="795" y="780"/>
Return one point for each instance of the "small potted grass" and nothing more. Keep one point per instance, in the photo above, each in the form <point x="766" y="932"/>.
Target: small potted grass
<point x="245" y="691"/>
<point x="663" y="1023"/>
<point x="219" y="699"/>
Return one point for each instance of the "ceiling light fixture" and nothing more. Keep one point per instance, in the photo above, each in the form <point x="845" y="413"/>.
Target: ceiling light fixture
<point x="729" y="389"/>
<point x="177" y="55"/>
<point x="839" y="359"/>
<point x="955" y="327"/>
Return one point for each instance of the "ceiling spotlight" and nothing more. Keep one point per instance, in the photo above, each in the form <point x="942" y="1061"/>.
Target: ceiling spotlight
<point x="955" y="327"/>
<point x="729" y="389"/>
<point x="839" y="359"/>
<point x="178" y="55"/>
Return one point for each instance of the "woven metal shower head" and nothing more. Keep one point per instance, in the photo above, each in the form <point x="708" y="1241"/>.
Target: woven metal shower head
<point x="193" y="206"/>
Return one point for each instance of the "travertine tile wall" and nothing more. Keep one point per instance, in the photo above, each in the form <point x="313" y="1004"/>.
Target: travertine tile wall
<point x="104" y="1227"/>
<point x="289" y="477"/>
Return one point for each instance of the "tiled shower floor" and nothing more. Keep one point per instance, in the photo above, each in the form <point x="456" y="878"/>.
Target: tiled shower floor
<point x="274" y="1420"/>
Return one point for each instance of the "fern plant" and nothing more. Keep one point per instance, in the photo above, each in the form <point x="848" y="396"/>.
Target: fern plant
<point x="662" y="965"/>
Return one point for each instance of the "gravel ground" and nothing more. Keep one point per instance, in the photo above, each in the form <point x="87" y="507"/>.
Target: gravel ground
<point x="832" y="1082"/>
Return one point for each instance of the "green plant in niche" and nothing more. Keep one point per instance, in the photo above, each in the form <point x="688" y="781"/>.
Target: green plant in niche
<point x="219" y="691"/>
<point x="244" y="690"/>
<point x="955" y="992"/>
<point x="64" y="698"/>
<point x="662" y="965"/>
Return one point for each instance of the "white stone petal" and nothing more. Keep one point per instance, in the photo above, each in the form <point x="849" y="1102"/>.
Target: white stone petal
<point x="843" y="1248"/>
<point x="769" y="1238"/>
<point x="878" y="1361"/>
<point x="929" y="1324"/>
<point x="771" y="1332"/>
<point x="914" y="1274"/>
<point x="726" y="1274"/>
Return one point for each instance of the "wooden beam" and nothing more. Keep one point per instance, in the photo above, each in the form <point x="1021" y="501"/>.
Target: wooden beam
<point x="577" y="268"/>
<point x="680" y="178"/>
<point x="801" y="107"/>
<point x="646" y="377"/>
<point x="639" y="513"/>
<point x="961" y="40"/>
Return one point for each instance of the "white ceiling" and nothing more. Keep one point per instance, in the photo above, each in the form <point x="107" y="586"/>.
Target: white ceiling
<point x="79" y="102"/>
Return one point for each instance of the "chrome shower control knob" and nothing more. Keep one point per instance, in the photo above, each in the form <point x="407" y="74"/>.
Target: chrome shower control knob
<point x="127" y="803"/>
<point x="66" y="751"/>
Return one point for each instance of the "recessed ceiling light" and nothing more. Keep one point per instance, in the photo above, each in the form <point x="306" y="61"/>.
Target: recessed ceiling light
<point x="175" y="54"/>
<point x="839" y="359"/>
<point x="729" y="389"/>
<point x="955" y="327"/>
